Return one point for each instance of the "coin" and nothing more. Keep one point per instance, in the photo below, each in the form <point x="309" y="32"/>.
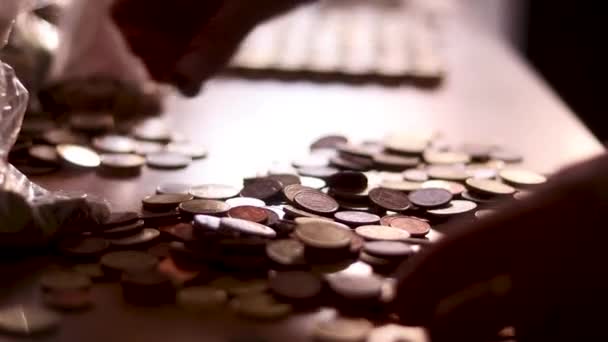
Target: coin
<point x="478" y="198"/>
<point x="246" y="227"/>
<point x="343" y="330"/>
<point x="201" y="298"/>
<point x="63" y="136"/>
<point x="92" y="122"/>
<point x="245" y="201"/>
<point x="93" y="271"/>
<point x="358" y="150"/>
<point x="44" y="154"/>
<point x="144" y="148"/>
<point x="313" y="182"/>
<point x="286" y="252"/>
<point x="351" y="163"/>
<point x="415" y="175"/>
<point x="248" y="213"/>
<point x="260" y="306"/>
<point x="393" y="162"/>
<point x="448" y="172"/>
<point x="381" y="233"/>
<point x="64" y="281"/>
<point x="356" y="218"/>
<point x="290" y="191"/>
<point x="237" y="287"/>
<point x="295" y="285"/>
<point x="329" y="141"/>
<point x="520" y="177"/>
<point x="355" y="286"/>
<point x="406" y="145"/>
<point x="122" y="161"/>
<point x="406" y="186"/>
<point x="152" y="130"/>
<point x="484" y="213"/>
<point x="389" y="199"/>
<point x="323" y="172"/>
<point x="167" y="160"/>
<point x="324" y="234"/>
<point x="414" y="226"/>
<point x="481" y="171"/>
<point x="79" y="156"/>
<point x="173" y="188"/>
<point x="295" y="212"/>
<point x="430" y="197"/>
<point x="489" y="187"/>
<point x="128" y="261"/>
<point x="453" y="208"/>
<point x="214" y="191"/>
<point x="187" y="149"/>
<point x="206" y="222"/>
<point x="445" y="157"/>
<point x="397" y="333"/>
<point x="348" y="181"/>
<point x="204" y="207"/>
<point x="147" y="235"/>
<point x="506" y="156"/>
<point x="27" y="320"/>
<point x="316" y="202"/>
<point x="164" y="202"/>
<point x="285" y="178"/>
<point x="452" y="187"/>
<point x="264" y="189"/>
<point x="125" y="230"/>
<point x="114" y="144"/>
<point x="388" y="249"/>
<point x="83" y="246"/>
<point x="311" y="161"/>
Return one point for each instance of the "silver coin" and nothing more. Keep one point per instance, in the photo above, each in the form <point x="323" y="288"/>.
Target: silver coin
<point x="80" y="156"/>
<point x="168" y="160"/>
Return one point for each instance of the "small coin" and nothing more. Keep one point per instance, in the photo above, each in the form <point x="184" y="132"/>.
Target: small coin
<point x="261" y="306"/>
<point x="295" y="285"/>
<point x="430" y="197"/>
<point x="214" y="192"/>
<point x="445" y="157"/>
<point x="147" y="235"/>
<point x="114" y="144"/>
<point x="201" y="298"/>
<point x="129" y="261"/>
<point x="313" y="182"/>
<point x="489" y="187"/>
<point x="351" y="163"/>
<point x="122" y="161"/>
<point x="484" y="213"/>
<point x="77" y="155"/>
<point x="316" y="202"/>
<point x="352" y="181"/>
<point x="520" y="177"/>
<point x="414" y="226"/>
<point x="323" y="172"/>
<point x="125" y="230"/>
<point x="397" y="333"/>
<point x="506" y="156"/>
<point x="453" y="187"/>
<point x="64" y="281"/>
<point x="187" y="149"/>
<point x="204" y="207"/>
<point x="245" y="201"/>
<point x="44" y="154"/>
<point x="356" y="218"/>
<point x="406" y="186"/>
<point x="388" y="249"/>
<point x="393" y="162"/>
<point x="355" y="286"/>
<point x="455" y="207"/>
<point x="263" y="188"/>
<point x="343" y="329"/>
<point x="120" y="218"/>
<point x="83" y="247"/>
<point x="285" y="178"/>
<point x="323" y="234"/>
<point x="329" y="141"/>
<point x="168" y="160"/>
<point x="381" y="233"/>
<point x="295" y="212"/>
<point x="152" y="130"/>
<point x="173" y="188"/>
<point x="27" y="320"/>
<point x="389" y="199"/>
<point x="165" y="202"/>
<point x="144" y="148"/>
<point x="246" y="227"/>
<point x="286" y="252"/>
<point x="448" y="172"/>
<point x="248" y="213"/>
<point x="290" y="191"/>
<point x="415" y="175"/>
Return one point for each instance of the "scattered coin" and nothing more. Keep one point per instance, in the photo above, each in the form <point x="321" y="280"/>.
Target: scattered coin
<point x="430" y="197"/>
<point x="122" y="161"/>
<point x="147" y="235"/>
<point x="348" y="181"/>
<point x="313" y="182"/>
<point x="44" y="154"/>
<point x="114" y="144"/>
<point x="489" y="187"/>
<point x="245" y="201"/>
<point x="124" y="230"/>
<point x="246" y="227"/>
<point x="445" y="157"/>
<point x="164" y="202"/>
<point x="168" y="160"/>
<point x="453" y="208"/>
<point x="290" y="191"/>
<point x="324" y="234"/>
<point x="295" y="212"/>
<point x="484" y="213"/>
<point x="295" y="285"/>
<point x="64" y="281"/>
<point x="406" y="186"/>
<point x="285" y="178"/>
<point x="356" y="218"/>
<point x="388" y="249"/>
<point x="506" y="156"/>
<point x="249" y="213"/>
<point x="414" y="226"/>
<point x="449" y="172"/>
<point x="389" y="199"/>
<point x="520" y="177"/>
<point x="173" y="188"/>
<point x="522" y="195"/>
<point x="286" y="252"/>
<point x="482" y="171"/>
<point x="79" y="156"/>
<point x="264" y="189"/>
<point x="393" y="162"/>
<point x="83" y="246"/>
<point x="316" y="202"/>
<point x="478" y="198"/>
<point x="237" y="287"/>
<point x="329" y="141"/>
<point x="323" y="172"/>
<point x="201" y="298"/>
<point x="204" y="207"/>
<point x="260" y="307"/>
<point x="415" y="175"/>
<point x="214" y="192"/>
<point x="128" y="261"/>
<point x="382" y="233"/>
<point x="453" y="187"/>
<point x="187" y="149"/>
<point x="406" y="145"/>
<point x="355" y="286"/>
<point x="397" y="333"/>
<point x="343" y="329"/>
<point x="27" y="320"/>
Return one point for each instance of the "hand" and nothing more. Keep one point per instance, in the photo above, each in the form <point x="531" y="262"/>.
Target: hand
<point x="538" y="265"/>
<point x="184" y="42"/>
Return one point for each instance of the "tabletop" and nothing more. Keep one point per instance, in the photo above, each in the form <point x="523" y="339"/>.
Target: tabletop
<point x="490" y="95"/>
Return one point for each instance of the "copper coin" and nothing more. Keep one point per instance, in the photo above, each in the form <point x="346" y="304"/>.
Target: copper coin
<point x="125" y="230"/>
<point x="324" y="234"/>
<point x="352" y="163"/>
<point x="164" y="202"/>
<point x="241" y="201"/>
<point x="393" y="162"/>
<point x="263" y="188"/>
<point x="348" y="181"/>
<point x="291" y="191"/>
<point x="120" y="219"/>
<point x="180" y="232"/>
<point x="247" y="227"/>
<point x="83" y="247"/>
<point x="145" y="236"/>
<point x="114" y="144"/>
<point x="453" y="208"/>
<point x="63" y="136"/>
<point x="453" y="187"/>
<point x="389" y="199"/>
<point x="356" y="196"/>
<point x="204" y="207"/>
<point x="249" y="213"/>
<point x="430" y="198"/>
<point x="295" y="212"/>
<point x="273" y="216"/>
<point x="79" y="156"/>
<point x="489" y="187"/>
<point x="329" y="141"/>
<point x="295" y="285"/>
<point x="286" y="252"/>
<point x="414" y="226"/>
<point x="323" y="172"/>
<point x="64" y="281"/>
<point x="316" y="202"/>
<point x="168" y="160"/>
<point x="356" y="218"/>
<point x="214" y="191"/>
<point x="388" y="249"/>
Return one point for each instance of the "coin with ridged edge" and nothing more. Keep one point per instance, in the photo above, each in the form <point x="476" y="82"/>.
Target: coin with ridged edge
<point x="316" y="202"/>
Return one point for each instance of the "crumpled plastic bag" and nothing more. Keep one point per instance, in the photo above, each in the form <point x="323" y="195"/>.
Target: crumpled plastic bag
<point x="29" y="214"/>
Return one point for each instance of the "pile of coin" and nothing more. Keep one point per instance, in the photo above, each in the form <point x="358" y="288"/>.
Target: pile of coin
<point x="95" y="141"/>
<point x="330" y="234"/>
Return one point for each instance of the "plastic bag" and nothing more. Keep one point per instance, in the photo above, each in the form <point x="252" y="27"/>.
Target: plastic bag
<point x="29" y="214"/>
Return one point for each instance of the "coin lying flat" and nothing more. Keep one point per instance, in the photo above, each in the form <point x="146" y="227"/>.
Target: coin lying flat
<point x="114" y="144"/>
<point x="400" y="185"/>
<point x="201" y="298"/>
<point x="328" y="141"/>
<point x="246" y="227"/>
<point x="290" y="191"/>
<point x="64" y="281"/>
<point x="214" y="191"/>
<point x="260" y="307"/>
<point x="388" y="249"/>
<point x="388" y="199"/>
<point x="445" y="157"/>
<point x="521" y="177"/>
<point x="356" y="218"/>
<point x="93" y="271"/>
<point x="489" y="187"/>
<point x="348" y="181"/>
<point x="295" y="212"/>
<point x="44" y="153"/>
<point x="453" y="187"/>
<point x="245" y="201"/>
<point x="296" y="285"/>
<point x="77" y="155"/>
<point x="377" y="232"/>
<point x="167" y="160"/>
<point x="237" y="287"/>
<point x="164" y="202"/>
<point x="343" y="330"/>
<point x="316" y="202"/>
<point x="453" y="208"/>
<point x="324" y="234"/>
<point x="414" y="226"/>
<point x="313" y="182"/>
<point x="263" y="189"/>
<point x="484" y="213"/>
<point x="129" y="261"/>
<point x="27" y="320"/>
<point x="204" y="207"/>
<point x="430" y="197"/>
<point x="187" y="149"/>
<point x="393" y="162"/>
<point x="415" y="175"/>
<point x="286" y="252"/>
<point x="125" y="230"/>
<point x="398" y="333"/>
<point x="448" y="172"/>
<point x="83" y="247"/>
<point x="322" y="172"/>
<point x="355" y="286"/>
<point x="122" y="161"/>
<point x="173" y="188"/>
<point x="249" y="213"/>
<point x="506" y="156"/>
<point x="145" y="236"/>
